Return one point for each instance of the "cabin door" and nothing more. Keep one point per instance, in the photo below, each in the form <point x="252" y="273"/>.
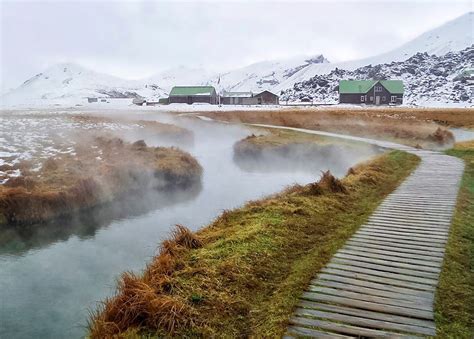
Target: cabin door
<point x="377" y="99"/>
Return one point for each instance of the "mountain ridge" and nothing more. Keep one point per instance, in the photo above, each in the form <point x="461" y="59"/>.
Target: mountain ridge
<point x="72" y="83"/>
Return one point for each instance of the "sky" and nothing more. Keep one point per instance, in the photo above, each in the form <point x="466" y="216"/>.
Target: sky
<point x="136" y="39"/>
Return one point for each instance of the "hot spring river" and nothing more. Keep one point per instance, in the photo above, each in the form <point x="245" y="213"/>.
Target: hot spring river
<point x="52" y="276"/>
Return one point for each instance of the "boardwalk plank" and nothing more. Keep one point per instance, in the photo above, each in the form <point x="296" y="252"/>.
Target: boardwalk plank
<point x="368" y="314"/>
<point x="369" y="291"/>
<point x="366" y="323"/>
<point x="383" y="271"/>
<point x="345" y="329"/>
<point x="401" y="240"/>
<point x="407" y="228"/>
<point x="297" y="331"/>
<point x="390" y="252"/>
<point x="424" y="262"/>
<point x="387" y="265"/>
<point x="369" y="305"/>
<point x="408" y="292"/>
<point x="398" y="244"/>
<point x="380" y="279"/>
<point x="395" y="235"/>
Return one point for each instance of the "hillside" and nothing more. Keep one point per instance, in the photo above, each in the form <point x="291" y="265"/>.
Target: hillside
<point x="72" y="83"/>
<point x="265" y="75"/>
<point x="452" y="36"/>
<point x="428" y="80"/>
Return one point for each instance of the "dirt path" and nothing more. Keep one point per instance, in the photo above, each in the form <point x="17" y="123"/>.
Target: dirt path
<point x="382" y="282"/>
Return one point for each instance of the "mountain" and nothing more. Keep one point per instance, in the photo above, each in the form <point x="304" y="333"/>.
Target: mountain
<point x="428" y="79"/>
<point x="71" y="83"/>
<point x="264" y="75"/>
<point x="452" y="36"/>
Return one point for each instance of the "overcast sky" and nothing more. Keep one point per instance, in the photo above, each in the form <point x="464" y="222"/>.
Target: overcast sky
<point x="133" y="39"/>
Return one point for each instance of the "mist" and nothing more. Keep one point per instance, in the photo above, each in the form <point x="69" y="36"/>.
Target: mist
<point x="59" y="272"/>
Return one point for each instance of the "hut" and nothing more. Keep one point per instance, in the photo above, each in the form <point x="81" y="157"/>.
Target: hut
<point x="193" y="94"/>
<point x="237" y="98"/>
<point x="249" y="98"/>
<point x="371" y="92"/>
<point x="267" y="98"/>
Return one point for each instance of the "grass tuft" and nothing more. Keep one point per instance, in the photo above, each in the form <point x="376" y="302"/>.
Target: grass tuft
<point x="331" y="183"/>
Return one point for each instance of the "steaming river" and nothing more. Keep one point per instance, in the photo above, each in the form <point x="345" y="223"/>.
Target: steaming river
<point x="52" y="276"/>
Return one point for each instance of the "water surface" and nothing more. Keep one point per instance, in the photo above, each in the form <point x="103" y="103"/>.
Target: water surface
<point x="51" y="276"/>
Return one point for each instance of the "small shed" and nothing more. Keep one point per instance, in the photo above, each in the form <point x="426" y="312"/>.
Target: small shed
<point x="193" y="94"/>
<point x="371" y="92"/>
<point x="249" y="98"/>
<point x="267" y="98"/>
<point x="237" y="98"/>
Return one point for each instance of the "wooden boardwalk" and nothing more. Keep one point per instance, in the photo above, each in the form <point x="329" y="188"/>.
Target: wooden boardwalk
<point x="382" y="282"/>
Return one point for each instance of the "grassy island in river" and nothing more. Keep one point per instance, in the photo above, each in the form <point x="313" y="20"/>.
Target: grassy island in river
<point x="99" y="170"/>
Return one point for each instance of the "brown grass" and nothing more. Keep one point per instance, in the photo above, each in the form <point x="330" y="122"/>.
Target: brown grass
<point x="68" y="183"/>
<point x="148" y="301"/>
<point x="241" y="276"/>
<point x="406" y="125"/>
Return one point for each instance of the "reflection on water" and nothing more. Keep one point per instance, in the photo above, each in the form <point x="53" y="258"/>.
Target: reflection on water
<point x="51" y="277"/>
<point x="461" y="134"/>
<point x="17" y="240"/>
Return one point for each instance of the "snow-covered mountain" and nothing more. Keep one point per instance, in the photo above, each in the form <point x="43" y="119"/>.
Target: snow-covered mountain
<point x="452" y="36"/>
<point x="428" y="79"/>
<point x="264" y="75"/>
<point x="71" y="83"/>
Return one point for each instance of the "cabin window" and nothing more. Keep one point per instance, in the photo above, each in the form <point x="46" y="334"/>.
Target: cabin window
<point x="393" y="98"/>
<point x="371" y="98"/>
<point x="378" y="88"/>
<point x="362" y="98"/>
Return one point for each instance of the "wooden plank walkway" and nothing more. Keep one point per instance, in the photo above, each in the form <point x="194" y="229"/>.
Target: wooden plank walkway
<point x="382" y="282"/>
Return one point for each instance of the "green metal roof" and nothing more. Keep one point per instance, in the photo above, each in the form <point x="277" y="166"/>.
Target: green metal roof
<point x="363" y="86"/>
<point x="191" y="90"/>
<point x="393" y="86"/>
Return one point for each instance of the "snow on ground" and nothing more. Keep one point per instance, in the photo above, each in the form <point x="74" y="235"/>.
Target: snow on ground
<point x="35" y="136"/>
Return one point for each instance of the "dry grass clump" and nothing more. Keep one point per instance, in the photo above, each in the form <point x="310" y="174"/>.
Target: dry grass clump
<point x="330" y="183"/>
<point x="149" y="301"/>
<point x="102" y="170"/>
<point x="241" y="276"/>
<point x="406" y="125"/>
<point x="442" y="137"/>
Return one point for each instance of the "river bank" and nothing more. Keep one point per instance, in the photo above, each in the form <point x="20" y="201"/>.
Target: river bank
<point x="242" y="274"/>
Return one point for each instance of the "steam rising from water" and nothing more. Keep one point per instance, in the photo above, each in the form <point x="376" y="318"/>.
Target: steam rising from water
<point x="51" y="276"/>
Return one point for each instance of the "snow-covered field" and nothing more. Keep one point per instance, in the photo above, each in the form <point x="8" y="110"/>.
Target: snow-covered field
<point x="36" y="136"/>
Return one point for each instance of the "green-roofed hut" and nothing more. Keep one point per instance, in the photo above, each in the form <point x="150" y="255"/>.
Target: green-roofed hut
<point x="371" y="92"/>
<point x="193" y="94"/>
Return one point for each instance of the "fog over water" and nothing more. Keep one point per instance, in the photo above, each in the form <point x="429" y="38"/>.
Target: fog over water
<point x="51" y="276"/>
